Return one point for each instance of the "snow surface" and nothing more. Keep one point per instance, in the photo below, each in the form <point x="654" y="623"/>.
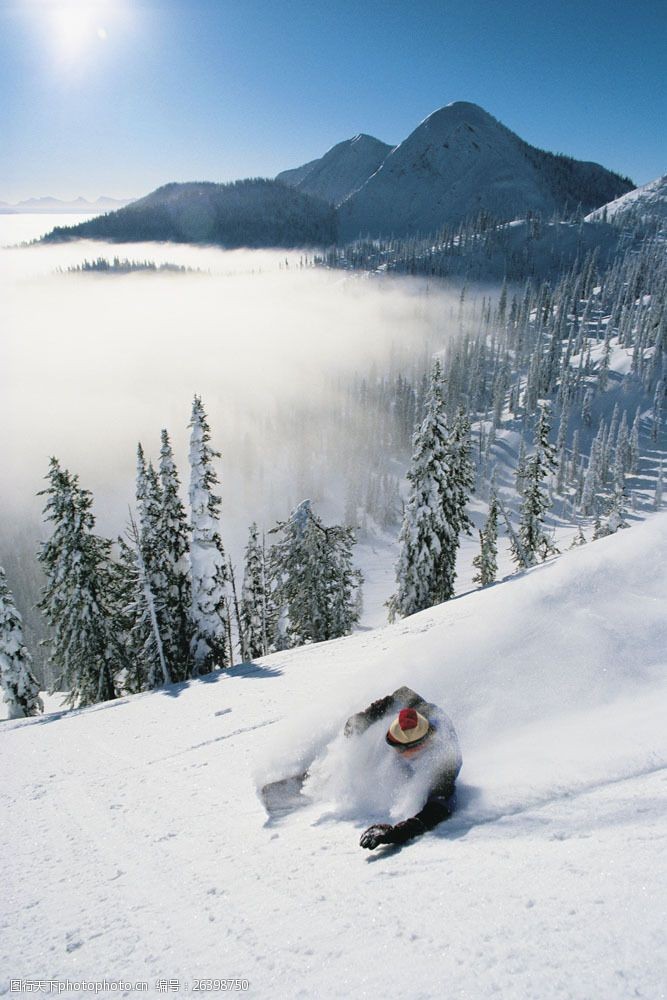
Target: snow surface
<point x="135" y="845"/>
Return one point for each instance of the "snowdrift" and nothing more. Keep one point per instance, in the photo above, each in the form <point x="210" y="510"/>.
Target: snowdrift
<point x="135" y="845"/>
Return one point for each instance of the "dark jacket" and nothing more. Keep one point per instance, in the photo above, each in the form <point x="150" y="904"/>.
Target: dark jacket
<point x="440" y="801"/>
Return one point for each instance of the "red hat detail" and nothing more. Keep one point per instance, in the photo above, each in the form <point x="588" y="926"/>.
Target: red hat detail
<point x="408" y="719"/>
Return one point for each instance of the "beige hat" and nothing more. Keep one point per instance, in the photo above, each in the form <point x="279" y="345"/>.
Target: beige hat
<point x="409" y="726"/>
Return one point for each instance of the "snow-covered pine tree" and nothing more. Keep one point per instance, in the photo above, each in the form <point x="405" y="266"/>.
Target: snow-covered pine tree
<point x="579" y="539"/>
<point x="520" y="474"/>
<point x="462" y="470"/>
<point x="616" y="517"/>
<point x="345" y="583"/>
<point x="593" y="477"/>
<point x="145" y="564"/>
<point x="148" y="667"/>
<point x="486" y="561"/>
<point x="208" y="645"/>
<point x="77" y="600"/>
<point x="426" y="567"/>
<point x="561" y="450"/>
<point x="622" y="452"/>
<point x="658" y="405"/>
<point x="534" y="540"/>
<point x="657" y="497"/>
<point x="633" y="446"/>
<point x="621" y="457"/>
<point x="586" y="414"/>
<point x="173" y="532"/>
<point x="257" y="637"/>
<point x="317" y="584"/>
<point x="20" y="689"/>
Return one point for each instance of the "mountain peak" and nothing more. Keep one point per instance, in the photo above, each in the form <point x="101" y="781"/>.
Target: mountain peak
<point x="341" y="171"/>
<point x="459" y="113"/>
<point x="459" y="162"/>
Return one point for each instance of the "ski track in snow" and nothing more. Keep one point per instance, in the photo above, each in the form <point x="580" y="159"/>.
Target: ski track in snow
<point x="135" y="845"/>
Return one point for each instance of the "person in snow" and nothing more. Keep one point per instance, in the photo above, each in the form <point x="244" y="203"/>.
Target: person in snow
<point x="424" y="737"/>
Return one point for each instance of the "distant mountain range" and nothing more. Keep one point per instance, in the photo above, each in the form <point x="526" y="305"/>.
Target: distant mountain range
<point x="49" y="205"/>
<point x="458" y="164"/>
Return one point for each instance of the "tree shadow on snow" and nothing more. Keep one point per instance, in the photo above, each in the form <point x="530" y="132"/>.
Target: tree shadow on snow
<point x="251" y="669"/>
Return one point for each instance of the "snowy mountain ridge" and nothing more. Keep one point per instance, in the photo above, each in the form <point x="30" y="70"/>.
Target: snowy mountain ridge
<point x="646" y="202"/>
<point x="459" y="164"/>
<point x="162" y="860"/>
<point x="461" y="161"/>
<point x="341" y="171"/>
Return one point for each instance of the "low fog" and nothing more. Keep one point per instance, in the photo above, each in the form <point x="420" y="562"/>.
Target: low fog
<point x="93" y="363"/>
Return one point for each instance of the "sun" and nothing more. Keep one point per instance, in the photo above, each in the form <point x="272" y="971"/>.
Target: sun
<point x="74" y="27"/>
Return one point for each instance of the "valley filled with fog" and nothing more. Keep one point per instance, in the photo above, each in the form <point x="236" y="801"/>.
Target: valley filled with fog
<point x="280" y="352"/>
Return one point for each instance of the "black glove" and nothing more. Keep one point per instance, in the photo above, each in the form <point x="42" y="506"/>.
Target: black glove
<point x="406" y="830"/>
<point x="374" y="835"/>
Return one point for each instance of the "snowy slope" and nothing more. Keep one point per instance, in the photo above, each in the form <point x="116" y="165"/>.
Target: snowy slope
<point x="343" y="169"/>
<point x="646" y="202"/>
<point x="135" y="846"/>
<point x="460" y="161"/>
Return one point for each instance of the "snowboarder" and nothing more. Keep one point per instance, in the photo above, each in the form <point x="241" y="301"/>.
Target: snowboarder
<point x="424" y="737"/>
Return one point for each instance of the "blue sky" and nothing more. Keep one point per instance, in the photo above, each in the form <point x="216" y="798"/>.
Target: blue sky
<point x="118" y="96"/>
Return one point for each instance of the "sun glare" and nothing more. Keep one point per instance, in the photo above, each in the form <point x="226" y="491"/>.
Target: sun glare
<point x="75" y="28"/>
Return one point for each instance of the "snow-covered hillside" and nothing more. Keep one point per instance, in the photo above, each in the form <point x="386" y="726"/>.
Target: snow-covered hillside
<point x="135" y="846"/>
<point x="343" y="169"/>
<point x="459" y="162"/>
<point x="646" y="202"/>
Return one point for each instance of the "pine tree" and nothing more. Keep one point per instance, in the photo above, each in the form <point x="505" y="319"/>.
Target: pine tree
<point x="173" y="532"/>
<point x="148" y="640"/>
<point x="345" y="583"/>
<point x="586" y="414"/>
<point x="616" y="516"/>
<point x="486" y="562"/>
<point x="520" y="474"/>
<point x="657" y="498"/>
<point x="77" y="600"/>
<point x="633" y="446"/>
<point x="316" y="581"/>
<point x="579" y="539"/>
<point x="462" y="471"/>
<point x="207" y="557"/>
<point x="257" y="631"/>
<point x="425" y="571"/>
<point x="621" y="456"/>
<point x="658" y="404"/>
<point x="148" y="667"/>
<point x="535" y="503"/>
<point x="593" y="477"/>
<point x="21" y="690"/>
